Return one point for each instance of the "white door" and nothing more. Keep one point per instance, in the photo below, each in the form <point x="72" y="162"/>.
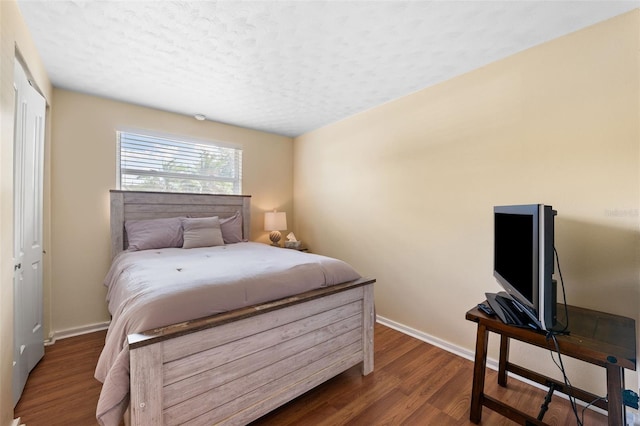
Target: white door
<point x="27" y="248"/>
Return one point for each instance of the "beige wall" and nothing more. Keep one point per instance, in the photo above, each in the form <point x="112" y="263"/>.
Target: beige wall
<point x="14" y="36"/>
<point x="405" y="191"/>
<point x="84" y="170"/>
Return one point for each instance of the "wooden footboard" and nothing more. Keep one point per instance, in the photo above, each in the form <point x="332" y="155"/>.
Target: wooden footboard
<point x="235" y="367"/>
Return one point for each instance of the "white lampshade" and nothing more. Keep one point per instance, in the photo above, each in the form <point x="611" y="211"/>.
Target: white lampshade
<point x="275" y="221"/>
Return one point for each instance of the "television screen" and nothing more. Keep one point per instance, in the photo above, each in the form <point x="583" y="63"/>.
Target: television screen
<point x="523" y="258"/>
<point x="515" y="252"/>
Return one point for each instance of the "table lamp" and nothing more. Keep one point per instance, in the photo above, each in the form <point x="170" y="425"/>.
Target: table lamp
<point x="275" y="222"/>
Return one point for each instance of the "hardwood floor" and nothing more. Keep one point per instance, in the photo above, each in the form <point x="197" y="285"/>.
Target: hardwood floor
<point x="413" y="383"/>
<point x="61" y="389"/>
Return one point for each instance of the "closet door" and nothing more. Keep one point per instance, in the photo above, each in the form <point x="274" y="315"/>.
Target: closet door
<point x="28" y="186"/>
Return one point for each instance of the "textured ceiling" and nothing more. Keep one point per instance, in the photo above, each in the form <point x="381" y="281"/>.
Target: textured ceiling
<point x="285" y="67"/>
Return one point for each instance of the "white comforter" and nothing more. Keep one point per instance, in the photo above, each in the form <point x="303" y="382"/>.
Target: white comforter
<point x="155" y="288"/>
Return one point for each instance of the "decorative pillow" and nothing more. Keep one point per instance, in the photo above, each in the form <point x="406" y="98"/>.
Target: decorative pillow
<point x="154" y="233"/>
<point x="202" y="232"/>
<point x="232" y="229"/>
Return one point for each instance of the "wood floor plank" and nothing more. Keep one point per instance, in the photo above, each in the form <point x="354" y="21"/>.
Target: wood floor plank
<point x="61" y="389"/>
<point x="413" y="383"/>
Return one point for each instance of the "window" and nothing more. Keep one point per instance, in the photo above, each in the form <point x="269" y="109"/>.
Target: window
<point x="157" y="163"/>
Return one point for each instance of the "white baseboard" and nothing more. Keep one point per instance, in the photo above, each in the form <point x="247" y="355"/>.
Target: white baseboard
<point x="16" y="422"/>
<point x="77" y="331"/>
<point x="442" y="344"/>
<point x="467" y="354"/>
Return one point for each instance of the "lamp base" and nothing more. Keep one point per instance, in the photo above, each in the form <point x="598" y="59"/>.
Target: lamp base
<point x="275" y="236"/>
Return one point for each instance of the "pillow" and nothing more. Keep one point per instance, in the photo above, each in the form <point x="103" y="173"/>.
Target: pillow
<point x="232" y="229"/>
<point x="202" y="232"/>
<point x="154" y="233"/>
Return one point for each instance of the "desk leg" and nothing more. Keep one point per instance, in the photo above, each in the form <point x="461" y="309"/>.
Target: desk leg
<point x="504" y="358"/>
<point x="477" y="391"/>
<point x="615" y="384"/>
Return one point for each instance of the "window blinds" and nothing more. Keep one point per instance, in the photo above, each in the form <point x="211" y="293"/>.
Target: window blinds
<point x="152" y="163"/>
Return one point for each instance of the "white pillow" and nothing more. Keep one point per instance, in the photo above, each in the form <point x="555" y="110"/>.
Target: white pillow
<point x="201" y="232"/>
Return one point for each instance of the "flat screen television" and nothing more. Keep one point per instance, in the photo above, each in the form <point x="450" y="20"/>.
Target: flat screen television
<point x="523" y="258"/>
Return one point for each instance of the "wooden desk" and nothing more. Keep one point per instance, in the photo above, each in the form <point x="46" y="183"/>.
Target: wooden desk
<point x="596" y="337"/>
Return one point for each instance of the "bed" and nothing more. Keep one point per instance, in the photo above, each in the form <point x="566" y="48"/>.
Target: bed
<point x="236" y="365"/>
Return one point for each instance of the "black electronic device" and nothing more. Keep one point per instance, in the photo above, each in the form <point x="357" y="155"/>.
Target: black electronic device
<point x="486" y="309"/>
<point x="524" y="259"/>
<point x="512" y="312"/>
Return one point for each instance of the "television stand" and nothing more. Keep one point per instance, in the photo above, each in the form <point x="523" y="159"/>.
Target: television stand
<point x="596" y="337"/>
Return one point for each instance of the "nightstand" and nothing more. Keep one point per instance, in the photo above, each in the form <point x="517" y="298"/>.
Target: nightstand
<point x="302" y="248"/>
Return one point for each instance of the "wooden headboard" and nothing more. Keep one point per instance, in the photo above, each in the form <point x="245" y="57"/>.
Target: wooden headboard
<point x="136" y="205"/>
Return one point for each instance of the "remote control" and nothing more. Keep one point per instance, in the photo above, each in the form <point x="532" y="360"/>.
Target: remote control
<point x="485" y="308"/>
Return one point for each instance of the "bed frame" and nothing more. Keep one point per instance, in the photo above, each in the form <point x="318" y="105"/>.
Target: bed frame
<point x="234" y="367"/>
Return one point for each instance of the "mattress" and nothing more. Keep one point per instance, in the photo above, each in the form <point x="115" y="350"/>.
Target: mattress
<point x="155" y="288"/>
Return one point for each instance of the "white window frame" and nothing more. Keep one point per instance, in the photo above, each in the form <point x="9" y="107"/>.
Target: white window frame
<point x="155" y="150"/>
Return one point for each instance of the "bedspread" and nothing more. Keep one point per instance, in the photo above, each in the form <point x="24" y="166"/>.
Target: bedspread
<point x="155" y="288"/>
